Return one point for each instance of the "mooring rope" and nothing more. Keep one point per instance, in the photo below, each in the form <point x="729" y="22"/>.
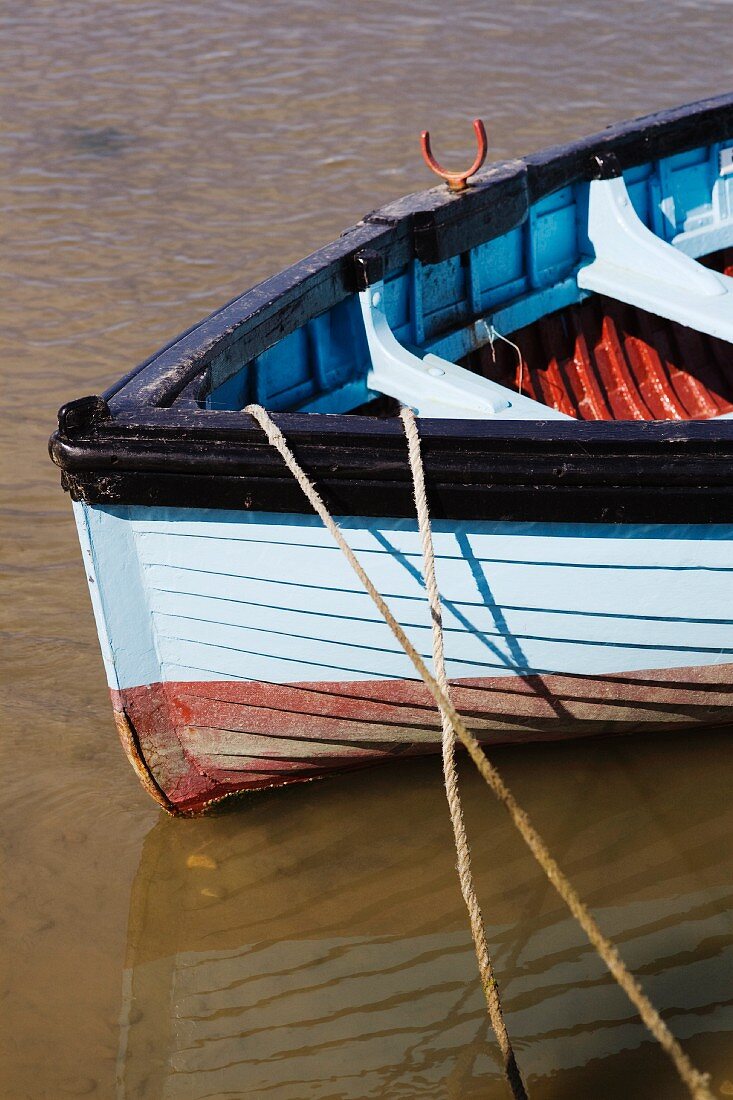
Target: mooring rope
<point x="450" y="772"/>
<point x="695" y="1081"/>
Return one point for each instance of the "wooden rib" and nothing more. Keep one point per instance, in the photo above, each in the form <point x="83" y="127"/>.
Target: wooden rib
<point x="554" y="340"/>
<point x="603" y="360"/>
<point x="624" y="397"/>
<point x="544" y="374"/>
<point x="590" y="401"/>
<point x="653" y="381"/>
<point x="690" y="391"/>
<point x="644" y="364"/>
<point x="692" y="351"/>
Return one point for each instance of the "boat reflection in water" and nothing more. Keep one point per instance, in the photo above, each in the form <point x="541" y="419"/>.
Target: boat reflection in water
<point x="315" y="944"/>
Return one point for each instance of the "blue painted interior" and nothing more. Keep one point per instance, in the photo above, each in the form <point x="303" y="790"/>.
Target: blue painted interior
<point x="686" y="199"/>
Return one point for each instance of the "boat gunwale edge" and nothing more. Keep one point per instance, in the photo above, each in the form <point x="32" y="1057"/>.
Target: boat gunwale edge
<point x="430" y="225"/>
<point x="112" y="449"/>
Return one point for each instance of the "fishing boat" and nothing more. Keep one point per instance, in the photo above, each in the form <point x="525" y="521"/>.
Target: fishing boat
<point x="562" y="326"/>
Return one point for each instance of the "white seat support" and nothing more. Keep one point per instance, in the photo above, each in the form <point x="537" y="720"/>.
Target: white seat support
<point x="634" y="266"/>
<point x="433" y="386"/>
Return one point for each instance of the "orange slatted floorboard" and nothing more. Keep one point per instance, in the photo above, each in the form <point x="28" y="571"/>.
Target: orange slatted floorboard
<point x="603" y="360"/>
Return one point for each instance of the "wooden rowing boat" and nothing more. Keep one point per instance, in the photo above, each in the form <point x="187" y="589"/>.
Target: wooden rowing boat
<point x="563" y="329"/>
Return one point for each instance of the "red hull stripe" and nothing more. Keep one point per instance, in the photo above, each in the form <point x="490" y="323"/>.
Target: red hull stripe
<point x="201" y="741"/>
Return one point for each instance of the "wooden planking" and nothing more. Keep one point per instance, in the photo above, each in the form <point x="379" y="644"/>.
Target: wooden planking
<point x="488" y="540"/>
<point x="281" y="605"/>
<point x="263" y="600"/>
<point x="296" y="634"/>
<point x="203" y="740"/>
<point x="219" y="591"/>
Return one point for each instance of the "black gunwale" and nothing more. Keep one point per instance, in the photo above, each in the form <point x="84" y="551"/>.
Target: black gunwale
<point x="145" y="442"/>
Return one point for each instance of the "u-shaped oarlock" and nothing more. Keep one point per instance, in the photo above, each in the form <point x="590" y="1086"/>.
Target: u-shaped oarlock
<point x="456" y="180"/>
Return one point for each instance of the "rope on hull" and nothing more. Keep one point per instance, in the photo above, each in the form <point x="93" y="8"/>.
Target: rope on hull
<point x="697" y="1083"/>
<point x="450" y="772"/>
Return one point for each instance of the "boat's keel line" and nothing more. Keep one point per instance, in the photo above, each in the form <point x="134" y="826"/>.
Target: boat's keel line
<point x="196" y="742"/>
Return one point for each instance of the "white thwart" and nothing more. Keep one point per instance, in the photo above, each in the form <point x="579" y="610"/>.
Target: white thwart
<point x="635" y="266"/>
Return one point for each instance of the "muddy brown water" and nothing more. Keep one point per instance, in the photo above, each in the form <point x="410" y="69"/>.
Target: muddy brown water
<point x="156" y="160"/>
